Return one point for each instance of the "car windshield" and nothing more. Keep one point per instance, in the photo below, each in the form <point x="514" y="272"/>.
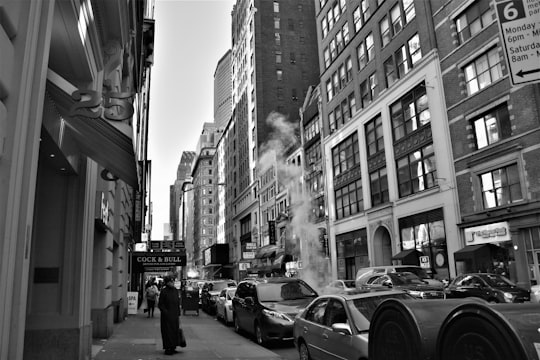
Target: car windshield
<point x="362" y="309"/>
<point x="405" y="278"/>
<point x="496" y="280"/>
<point x="284" y="291"/>
<point x="421" y="273"/>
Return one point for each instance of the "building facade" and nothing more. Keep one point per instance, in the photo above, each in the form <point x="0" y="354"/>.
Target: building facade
<point x="222" y="91"/>
<point x="495" y="130"/>
<point x="390" y="183"/>
<point x="183" y="174"/>
<point x="74" y="85"/>
<point x="274" y="60"/>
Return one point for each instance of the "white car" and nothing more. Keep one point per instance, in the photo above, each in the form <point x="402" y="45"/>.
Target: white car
<point x="224" y="305"/>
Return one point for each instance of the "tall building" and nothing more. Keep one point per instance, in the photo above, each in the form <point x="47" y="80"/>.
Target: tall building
<point x="495" y="130"/>
<point x="390" y="181"/>
<point x="74" y="90"/>
<point x="274" y="60"/>
<point x="183" y="174"/>
<point x="223" y="91"/>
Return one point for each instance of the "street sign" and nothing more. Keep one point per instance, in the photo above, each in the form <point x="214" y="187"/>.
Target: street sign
<point x="155" y="245"/>
<point x="424" y="262"/>
<point x="519" y="25"/>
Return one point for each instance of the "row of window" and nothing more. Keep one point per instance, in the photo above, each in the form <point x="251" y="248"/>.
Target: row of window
<point x="332" y="16"/>
<point x="339" y="80"/>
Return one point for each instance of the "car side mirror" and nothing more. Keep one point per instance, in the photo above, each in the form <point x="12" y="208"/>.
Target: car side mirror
<point x="249" y="300"/>
<point x="342" y="328"/>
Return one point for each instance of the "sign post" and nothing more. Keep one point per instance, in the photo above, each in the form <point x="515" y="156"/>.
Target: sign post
<point x="132" y="302"/>
<point x="519" y="25"/>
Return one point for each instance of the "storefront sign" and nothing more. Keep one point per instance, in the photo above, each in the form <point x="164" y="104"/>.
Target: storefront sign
<point x="496" y="232"/>
<point x="158" y="261"/>
<point x="248" y="255"/>
<point x="424" y="262"/>
<point x="243" y="266"/>
<point x="132" y="297"/>
<point x="251" y="246"/>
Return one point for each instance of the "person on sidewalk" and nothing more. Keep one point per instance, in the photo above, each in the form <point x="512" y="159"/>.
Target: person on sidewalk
<point x="169" y="305"/>
<point x="151" y="294"/>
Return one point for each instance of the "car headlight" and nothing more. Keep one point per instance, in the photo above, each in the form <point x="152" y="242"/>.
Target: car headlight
<point x="508" y="296"/>
<point x="416" y="293"/>
<point x="276" y="315"/>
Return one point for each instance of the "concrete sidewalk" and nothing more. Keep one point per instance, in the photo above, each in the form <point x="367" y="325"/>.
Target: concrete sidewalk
<point x="139" y="338"/>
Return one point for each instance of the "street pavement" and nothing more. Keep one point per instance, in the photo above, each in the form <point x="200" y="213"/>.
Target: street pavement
<point x="138" y="338"/>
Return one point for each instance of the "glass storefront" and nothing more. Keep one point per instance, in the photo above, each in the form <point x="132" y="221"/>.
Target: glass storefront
<point x="425" y="233"/>
<point x="352" y="253"/>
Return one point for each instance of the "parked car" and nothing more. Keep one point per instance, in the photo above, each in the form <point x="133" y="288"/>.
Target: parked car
<point x="210" y="293"/>
<point x="535" y="294"/>
<point x="266" y="308"/>
<point x="410" y="283"/>
<point x="339" y="286"/>
<point x="336" y="326"/>
<point x="224" y="305"/>
<point x="494" y="288"/>
<point x="367" y="274"/>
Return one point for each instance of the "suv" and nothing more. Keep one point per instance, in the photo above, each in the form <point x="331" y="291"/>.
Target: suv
<point x="210" y="293"/>
<point x="267" y="308"/>
<point x="366" y="275"/>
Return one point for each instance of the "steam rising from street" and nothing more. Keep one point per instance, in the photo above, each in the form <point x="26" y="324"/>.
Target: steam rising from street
<point x="303" y="234"/>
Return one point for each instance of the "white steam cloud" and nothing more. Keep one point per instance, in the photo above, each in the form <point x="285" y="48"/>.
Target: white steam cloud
<point x="304" y="234"/>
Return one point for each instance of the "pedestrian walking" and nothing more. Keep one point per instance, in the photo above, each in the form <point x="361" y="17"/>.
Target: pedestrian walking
<point x="151" y="294"/>
<point x="169" y="306"/>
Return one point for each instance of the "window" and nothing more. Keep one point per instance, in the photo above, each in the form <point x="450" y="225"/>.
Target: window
<point x="345" y="111"/>
<point x="364" y="94"/>
<point x="290" y="24"/>
<point x="352" y="104"/>
<point x="329" y="90"/>
<point x="339" y="42"/>
<point x="390" y="72"/>
<point x="483" y="71"/>
<point x="374" y="136"/>
<point x="370" y="47"/>
<point x="410" y="113"/>
<point x="366" y="12"/>
<point x="333" y="49"/>
<point x="349" y="199"/>
<point x="324" y="27"/>
<point x="278" y="57"/>
<point x="342" y="75"/>
<point x="311" y="129"/>
<point x="401" y="62"/>
<point x="292" y="58"/>
<point x="335" y="82"/>
<point x="326" y="58"/>
<point x="501" y="186"/>
<point x="348" y="63"/>
<point x="337" y="115"/>
<point x="384" y="26"/>
<point x="417" y="171"/>
<point x="395" y="16"/>
<point x="279" y="93"/>
<point x="408" y="8"/>
<point x="346" y="155"/>
<point x="361" y="55"/>
<point x="357" y="19"/>
<point x="276" y="23"/>
<point x="332" y="121"/>
<point x="277" y="39"/>
<point x="475" y="18"/>
<point x="279" y="75"/>
<point x="330" y="18"/>
<point x="373" y="86"/>
<point x="492" y="127"/>
<point x="276" y="7"/>
<point x="379" y="187"/>
<point x="415" y="52"/>
<point x="345" y="32"/>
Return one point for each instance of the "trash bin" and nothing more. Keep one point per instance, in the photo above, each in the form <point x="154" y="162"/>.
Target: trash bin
<point x="494" y="331"/>
<point x="190" y="299"/>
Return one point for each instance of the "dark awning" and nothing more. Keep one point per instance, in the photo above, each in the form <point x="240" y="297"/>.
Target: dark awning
<point x="472" y="250"/>
<point x="108" y="143"/>
<point x="406" y="253"/>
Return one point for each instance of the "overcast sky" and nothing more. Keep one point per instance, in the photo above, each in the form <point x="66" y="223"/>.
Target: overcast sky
<point x="191" y="36"/>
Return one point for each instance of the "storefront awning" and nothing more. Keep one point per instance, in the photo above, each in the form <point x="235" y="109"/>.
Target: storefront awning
<point x="472" y="250"/>
<point x="108" y="143"/>
<point x="406" y="254"/>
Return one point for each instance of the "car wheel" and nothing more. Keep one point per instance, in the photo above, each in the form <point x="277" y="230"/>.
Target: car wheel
<point x="259" y="336"/>
<point x="303" y="351"/>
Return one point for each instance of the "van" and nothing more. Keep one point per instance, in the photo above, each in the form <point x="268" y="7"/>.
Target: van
<point x="366" y="275"/>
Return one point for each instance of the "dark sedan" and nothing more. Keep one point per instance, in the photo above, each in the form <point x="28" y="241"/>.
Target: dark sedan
<point x="409" y="283"/>
<point x="490" y="287"/>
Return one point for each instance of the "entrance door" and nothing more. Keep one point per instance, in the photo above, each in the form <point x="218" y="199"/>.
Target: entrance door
<point x="534" y="267"/>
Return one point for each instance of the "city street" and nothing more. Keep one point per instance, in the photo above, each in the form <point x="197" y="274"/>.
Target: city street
<point x="138" y="337"/>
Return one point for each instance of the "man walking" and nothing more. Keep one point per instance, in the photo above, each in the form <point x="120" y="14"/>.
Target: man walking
<point x="169" y="305"/>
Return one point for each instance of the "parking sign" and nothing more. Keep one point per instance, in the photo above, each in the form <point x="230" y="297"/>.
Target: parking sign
<point x="519" y="25"/>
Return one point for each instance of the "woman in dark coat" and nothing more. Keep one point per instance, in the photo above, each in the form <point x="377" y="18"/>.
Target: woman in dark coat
<point x="169" y="306"/>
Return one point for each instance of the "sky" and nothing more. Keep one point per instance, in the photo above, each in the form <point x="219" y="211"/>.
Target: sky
<point x="191" y="36"/>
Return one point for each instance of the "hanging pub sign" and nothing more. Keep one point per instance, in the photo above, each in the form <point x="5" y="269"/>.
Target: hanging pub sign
<point x="157" y="261"/>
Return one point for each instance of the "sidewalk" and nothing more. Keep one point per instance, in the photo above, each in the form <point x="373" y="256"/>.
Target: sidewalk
<point x="139" y="338"/>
